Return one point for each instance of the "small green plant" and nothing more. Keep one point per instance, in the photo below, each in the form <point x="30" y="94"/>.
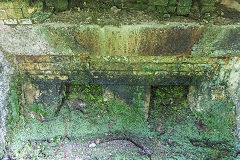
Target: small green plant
<point x="38" y="109"/>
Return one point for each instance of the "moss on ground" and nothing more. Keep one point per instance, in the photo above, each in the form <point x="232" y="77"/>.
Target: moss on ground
<point x="190" y="135"/>
<point x="172" y="125"/>
<point x="41" y="123"/>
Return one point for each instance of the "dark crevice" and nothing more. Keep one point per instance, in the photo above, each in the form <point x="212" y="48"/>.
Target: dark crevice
<point x="219" y="145"/>
<point x="64" y="91"/>
<point x="127" y="137"/>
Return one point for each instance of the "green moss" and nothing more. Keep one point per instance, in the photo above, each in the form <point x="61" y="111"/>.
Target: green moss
<point x="13" y="108"/>
<point x="99" y="118"/>
<point x="39" y="16"/>
<point x="204" y="135"/>
<point x="62" y="41"/>
<point x="219" y="117"/>
<point x="38" y="109"/>
<point x="59" y="5"/>
<point x="184" y="134"/>
<point x="168" y="104"/>
<point x="15" y="105"/>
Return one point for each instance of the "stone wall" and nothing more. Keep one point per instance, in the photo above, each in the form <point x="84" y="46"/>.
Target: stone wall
<point x="20" y="10"/>
<point x="93" y="68"/>
<point x="125" y="60"/>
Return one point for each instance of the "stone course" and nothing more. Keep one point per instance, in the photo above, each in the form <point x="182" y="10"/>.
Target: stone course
<point x="104" y="70"/>
<point x="20" y="9"/>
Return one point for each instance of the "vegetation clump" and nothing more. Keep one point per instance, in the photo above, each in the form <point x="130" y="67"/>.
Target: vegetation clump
<point x="172" y="129"/>
<point x="188" y="133"/>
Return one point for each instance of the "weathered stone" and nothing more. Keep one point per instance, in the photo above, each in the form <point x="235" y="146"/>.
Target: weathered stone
<point x="171" y="9"/>
<point x="230" y="76"/>
<point x="207" y="9"/>
<point x="47" y="91"/>
<point x="138" y="96"/>
<point x="160" y="2"/>
<point x="107" y="93"/>
<point x="137" y="40"/>
<point x="3" y="14"/>
<point x="183" y="10"/>
<point x="161" y="9"/>
<point x="36" y="59"/>
<point x="208" y="2"/>
<point x="31" y="93"/>
<point x="172" y="2"/>
<point x="25" y="21"/>
<point x="29" y="66"/>
<point x="217" y="41"/>
<point x="14" y="13"/>
<point x="185" y="3"/>
<point x="59" y="5"/>
<point x="63" y="42"/>
<point x="5" y="74"/>
<point x="11" y="22"/>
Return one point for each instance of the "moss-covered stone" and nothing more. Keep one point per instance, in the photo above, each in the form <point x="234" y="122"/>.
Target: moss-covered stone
<point x="218" y="41"/>
<point x="183" y="10"/>
<point x="198" y="133"/>
<point x="59" y="5"/>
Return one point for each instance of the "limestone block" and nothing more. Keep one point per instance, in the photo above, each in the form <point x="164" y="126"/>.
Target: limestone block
<point x="151" y="8"/>
<point x="59" y="5"/>
<point x="160" y="2"/>
<point x="3" y="14"/>
<point x="171" y="9"/>
<point x="6" y="5"/>
<point x="183" y="10"/>
<point x="25" y="21"/>
<point x="161" y="9"/>
<point x="136" y="96"/>
<point x="11" y="22"/>
<point x="46" y="91"/>
<point x="219" y="41"/>
<point x="207" y="9"/>
<point x="29" y="66"/>
<point x="31" y="93"/>
<point x="208" y="2"/>
<point x="172" y="2"/>
<point x="45" y="66"/>
<point x="14" y="13"/>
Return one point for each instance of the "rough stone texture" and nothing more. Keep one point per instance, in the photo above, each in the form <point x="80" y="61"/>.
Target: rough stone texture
<point x="138" y="96"/>
<point x="5" y="74"/>
<point x="179" y="39"/>
<point x="23" y="40"/>
<point x="19" y="9"/>
<point x="24" y="8"/>
<point x="224" y="87"/>
<point x="230" y="74"/>
<point x="3" y="14"/>
<point x="125" y="60"/>
<point x="120" y="70"/>
<point x="219" y="41"/>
